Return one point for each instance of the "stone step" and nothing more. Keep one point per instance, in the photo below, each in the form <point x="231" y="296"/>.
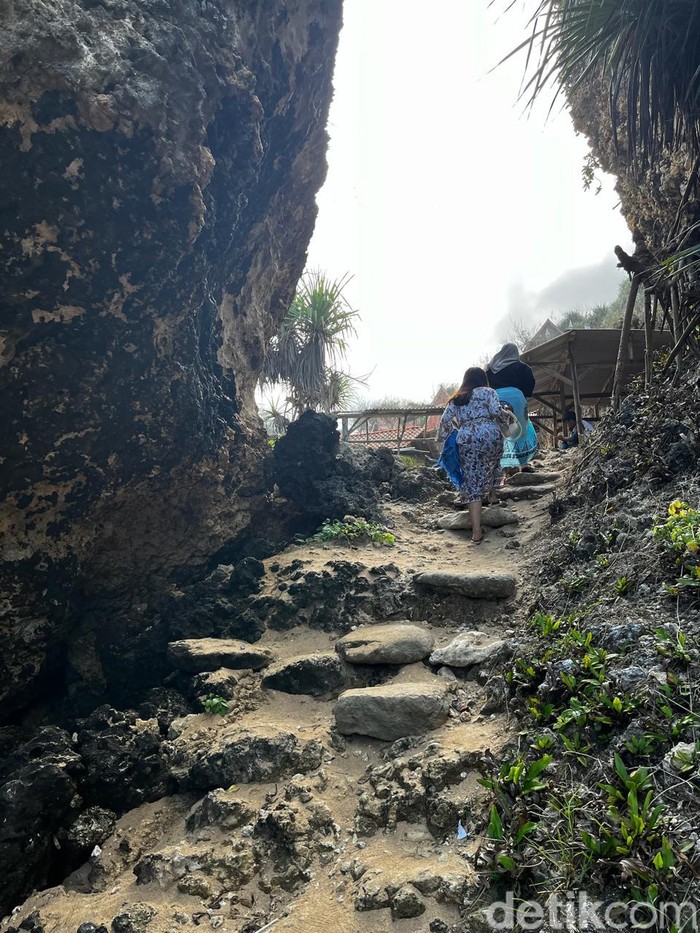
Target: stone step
<point x="195" y="655"/>
<point x="533" y="479"/>
<point x="393" y="711"/>
<point x="467" y="649"/>
<point x="386" y="643"/>
<point x="311" y="675"/>
<point x="491" y="517"/>
<point x="473" y="585"/>
<point x="525" y="492"/>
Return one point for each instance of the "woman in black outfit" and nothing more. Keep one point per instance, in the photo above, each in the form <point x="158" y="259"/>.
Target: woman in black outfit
<point x="506" y="369"/>
<point x="514" y="383"/>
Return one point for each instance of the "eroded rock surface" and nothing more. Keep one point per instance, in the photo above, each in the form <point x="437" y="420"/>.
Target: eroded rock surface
<point x="160" y="165"/>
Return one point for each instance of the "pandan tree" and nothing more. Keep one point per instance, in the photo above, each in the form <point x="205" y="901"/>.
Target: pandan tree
<point x="305" y="355"/>
<point x="648" y="51"/>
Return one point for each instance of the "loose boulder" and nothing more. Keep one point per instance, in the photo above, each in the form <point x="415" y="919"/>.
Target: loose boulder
<point x="312" y="675"/>
<point x="392" y="711"/>
<point x="494" y="517"/>
<point x="195" y="655"/>
<point x="467" y="650"/>
<point x="393" y="643"/>
<point x="474" y="585"/>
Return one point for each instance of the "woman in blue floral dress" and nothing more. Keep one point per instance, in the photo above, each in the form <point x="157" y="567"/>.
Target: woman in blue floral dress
<point x="474" y="412"/>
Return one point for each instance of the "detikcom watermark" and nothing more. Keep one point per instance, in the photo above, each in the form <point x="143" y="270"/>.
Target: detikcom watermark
<point x="577" y="912"/>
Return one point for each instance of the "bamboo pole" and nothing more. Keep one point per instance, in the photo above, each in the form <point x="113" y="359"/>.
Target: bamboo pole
<point x="694" y="321"/>
<point x="577" y="394"/>
<point x="676" y="318"/>
<point x="624" y="340"/>
<point x="648" y="340"/>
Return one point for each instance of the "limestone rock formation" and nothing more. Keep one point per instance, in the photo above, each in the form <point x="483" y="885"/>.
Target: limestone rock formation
<point x="160" y="163"/>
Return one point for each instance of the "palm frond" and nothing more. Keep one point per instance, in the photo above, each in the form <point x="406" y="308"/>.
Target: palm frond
<point x="648" y="51"/>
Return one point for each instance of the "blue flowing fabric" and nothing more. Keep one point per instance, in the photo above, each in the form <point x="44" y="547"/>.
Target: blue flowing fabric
<point x="449" y="460"/>
<point x="519" y="451"/>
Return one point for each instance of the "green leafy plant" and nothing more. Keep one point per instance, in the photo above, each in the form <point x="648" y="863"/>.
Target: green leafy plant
<point x="622" y="586"/>
<point x="680" y="535"/>
<point x="353" y="530"/>
<point x="215" y="705"/>
<point x="671" y="644"/>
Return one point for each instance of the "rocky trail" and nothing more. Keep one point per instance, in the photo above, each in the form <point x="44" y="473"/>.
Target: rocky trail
<point x="327" y="793"/>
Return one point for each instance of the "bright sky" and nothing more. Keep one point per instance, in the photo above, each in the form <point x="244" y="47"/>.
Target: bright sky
<point x="451" y="207"/>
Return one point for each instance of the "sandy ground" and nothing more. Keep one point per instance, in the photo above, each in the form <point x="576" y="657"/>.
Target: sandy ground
<point x="326" y="903"/>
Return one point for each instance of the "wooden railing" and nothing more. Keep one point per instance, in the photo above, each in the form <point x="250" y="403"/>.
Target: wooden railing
<point x="388" y="427"/>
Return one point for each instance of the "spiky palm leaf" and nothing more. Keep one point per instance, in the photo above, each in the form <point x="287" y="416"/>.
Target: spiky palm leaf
<point x="648" y="51"/>
<point x="312" y="338"/>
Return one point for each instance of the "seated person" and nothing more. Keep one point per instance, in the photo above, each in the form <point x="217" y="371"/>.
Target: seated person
<point x="573" y="439"/>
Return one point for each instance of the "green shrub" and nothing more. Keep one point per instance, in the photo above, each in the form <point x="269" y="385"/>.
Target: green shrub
<point x="353" y="530"/>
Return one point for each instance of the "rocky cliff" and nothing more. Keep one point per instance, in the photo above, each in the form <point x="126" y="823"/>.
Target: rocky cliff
<point x="659" y="196"/>
<point x="160" y="161"/>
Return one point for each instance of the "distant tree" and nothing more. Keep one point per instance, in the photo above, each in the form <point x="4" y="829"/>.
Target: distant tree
<point x="303" y="358"/>
<point x="518" y="331"/>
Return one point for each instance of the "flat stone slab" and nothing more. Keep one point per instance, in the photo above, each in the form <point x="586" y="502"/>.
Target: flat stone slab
<point x="467" y="649"/>
<point x="393" y="711"/>
<point x="525" y="492"/>
<point x="474" y="585"/>
<point x="311" y="675"/>
<point x="195" y="655"/>
<point x="492" y="517"/>
<point x="533" y="479"/>
<point x="393" y="643"/>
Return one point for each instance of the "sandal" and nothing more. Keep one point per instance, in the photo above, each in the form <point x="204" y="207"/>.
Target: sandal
<point x="479" y="539"/>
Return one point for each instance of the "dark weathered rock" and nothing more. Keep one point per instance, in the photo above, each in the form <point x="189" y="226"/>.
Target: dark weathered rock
<point x="474" y="585"/>
<point x="221" y="683"/>
<point x="406" y="902"/>
<point x="240" y="756"/>
<point x="312" y="675"/>
<point x="136" y="919"/>
<point x="194" y="655"/>
<point x="89" y="829"/>
<point x="38" y="795"/>
<point x="163" y="705"/>
<point x="123" y="760"/>
<point x="219" y="808"/>
<point x="326" y="479"/>
<point x="160" y="164"/>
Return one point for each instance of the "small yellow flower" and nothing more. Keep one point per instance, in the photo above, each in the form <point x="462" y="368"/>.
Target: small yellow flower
<point x="693" y="547"/>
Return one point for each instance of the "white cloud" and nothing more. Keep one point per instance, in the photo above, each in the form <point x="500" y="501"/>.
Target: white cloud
<point x="447" y="203"/>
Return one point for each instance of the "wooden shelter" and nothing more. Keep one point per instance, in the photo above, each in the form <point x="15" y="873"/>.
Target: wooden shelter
<point x="577" y="369"/>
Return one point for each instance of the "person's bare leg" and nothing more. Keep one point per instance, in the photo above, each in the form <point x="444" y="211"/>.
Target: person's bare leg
<point x="492" y="497"/>
<point x="475" y="516"/>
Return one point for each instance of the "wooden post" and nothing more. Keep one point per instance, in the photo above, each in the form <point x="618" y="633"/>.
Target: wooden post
<point x="577" y="394"/>
<point x="562" y="404"/>
<point x="676" y="319"/>
<point x="648" y="340"/>
<point x="344" y="429"/>
<point x="624" y="340"/>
